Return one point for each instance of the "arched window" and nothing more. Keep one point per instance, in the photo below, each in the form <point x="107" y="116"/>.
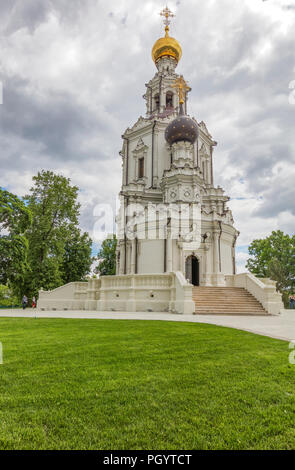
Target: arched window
<point x="169" y="99"/>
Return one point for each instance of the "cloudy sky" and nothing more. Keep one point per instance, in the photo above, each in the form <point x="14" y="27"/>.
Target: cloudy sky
<point x="74" y="72"/>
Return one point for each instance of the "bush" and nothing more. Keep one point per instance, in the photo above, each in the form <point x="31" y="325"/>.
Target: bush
<point x="7" y="299"/>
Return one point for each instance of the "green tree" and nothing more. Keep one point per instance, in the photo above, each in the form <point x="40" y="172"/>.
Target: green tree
<point x="77" y="258"/>
<point x="55" y="211"/>
<point x="15" y="219"/>
<point x="274" y="257"/>
<point x="7" y="298"/>
<point x="107" y="257"/>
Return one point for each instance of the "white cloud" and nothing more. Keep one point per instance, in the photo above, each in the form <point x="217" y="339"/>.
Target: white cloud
<point x="74" y="80"/>
<point x="241" y="259"/>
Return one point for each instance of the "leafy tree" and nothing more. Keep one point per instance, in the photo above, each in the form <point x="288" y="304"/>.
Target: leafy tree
<point x="55" y="211"/>
<point x="7" y="298"/>
<point x="107" y="257"/>
<point x="77" y="258"/>
<point x="15" y="219"/>
<point x="274" y="257"/>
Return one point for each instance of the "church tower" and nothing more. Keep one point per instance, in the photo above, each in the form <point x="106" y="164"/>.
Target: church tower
<point x="176" y="238"/>
<point x="172" y="217"/>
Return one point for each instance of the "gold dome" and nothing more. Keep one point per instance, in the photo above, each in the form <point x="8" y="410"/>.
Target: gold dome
<point x="166" y="46"/>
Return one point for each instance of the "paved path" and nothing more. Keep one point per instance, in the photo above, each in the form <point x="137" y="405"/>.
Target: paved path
<point x="281" y="326"/>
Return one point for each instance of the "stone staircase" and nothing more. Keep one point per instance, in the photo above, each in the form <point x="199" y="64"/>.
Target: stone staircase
<point x="226" y="301"/>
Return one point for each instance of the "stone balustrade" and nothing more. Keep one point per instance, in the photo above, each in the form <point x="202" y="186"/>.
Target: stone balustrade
<point x="131" y="293"/>
<point x="264" y="290"/>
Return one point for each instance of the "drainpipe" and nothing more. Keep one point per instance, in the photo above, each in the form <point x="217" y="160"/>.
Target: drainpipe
<point x="136" y="255"/>
<point x="167" y="247"/>
<point x="153" y="146"/>
<point x="160" y="92"/>
<point x="234" y="254"/>
<point x="125" y="238"/>
<point x="219" y="248"/>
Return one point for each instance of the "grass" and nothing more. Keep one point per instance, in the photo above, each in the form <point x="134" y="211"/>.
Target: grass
<point x="108" y="384"/>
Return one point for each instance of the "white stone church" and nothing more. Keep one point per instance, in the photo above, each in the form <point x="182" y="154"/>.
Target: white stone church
<point x="176" y="234"/>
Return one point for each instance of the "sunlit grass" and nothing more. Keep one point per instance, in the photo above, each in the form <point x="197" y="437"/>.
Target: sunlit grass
<point x="108" y="384"/>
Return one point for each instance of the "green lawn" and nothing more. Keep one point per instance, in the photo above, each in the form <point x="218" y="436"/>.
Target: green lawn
<point x="107" y="384"/>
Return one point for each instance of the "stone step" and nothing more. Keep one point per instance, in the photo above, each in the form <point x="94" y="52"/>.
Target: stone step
<point x="208" y="288"/>
<point x="232" y="306"/>
<point x="229" y="301"/>
<point x="225" y="297"/>
<point x="238" y="310"/>
<point x="229" y="309"/>
<point x="209" y="309"/>
<point x="235" y="314"/>
<point x="225" y="301"/>
<point x="222" y="302"/>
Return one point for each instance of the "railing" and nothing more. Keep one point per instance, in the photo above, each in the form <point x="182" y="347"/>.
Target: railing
<point x="182" y="301"/>
<point x="264" y="291"/>
<point x="129" y="293"/>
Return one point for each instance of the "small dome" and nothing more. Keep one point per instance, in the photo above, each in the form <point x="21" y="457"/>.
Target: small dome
<point x="182" y="128"/>
<point x="166" y="46"/>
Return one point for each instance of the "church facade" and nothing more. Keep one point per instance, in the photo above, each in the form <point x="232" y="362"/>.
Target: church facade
<point x="173" y="217"/>
<point x="176" y="234"/>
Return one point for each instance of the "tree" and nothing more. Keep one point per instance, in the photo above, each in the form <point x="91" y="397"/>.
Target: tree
<point x="274" y="257"/>
<point x="77" y="258"/>
<point x="15" y="219"/>
<point x="7" y="298"/>
<point x="107" y="257"/>
<point x="55" y="211"/>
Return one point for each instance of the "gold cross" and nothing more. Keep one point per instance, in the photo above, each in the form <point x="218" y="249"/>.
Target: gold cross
<point x="167" y="14"/>
<point x="182" y="87"/>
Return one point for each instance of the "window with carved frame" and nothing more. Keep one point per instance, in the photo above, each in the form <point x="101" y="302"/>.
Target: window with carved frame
<point x="141" y="167"/>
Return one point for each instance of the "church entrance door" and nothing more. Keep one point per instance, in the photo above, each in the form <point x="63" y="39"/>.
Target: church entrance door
<point x="192" y="271"/>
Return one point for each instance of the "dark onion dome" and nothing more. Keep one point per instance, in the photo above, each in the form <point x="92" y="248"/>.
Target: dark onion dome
<point x="182" y="128"/>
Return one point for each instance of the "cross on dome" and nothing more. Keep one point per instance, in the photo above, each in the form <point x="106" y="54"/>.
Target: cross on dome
<point x="167" y="14"/>
<point x="166" y="46"/>
<point x="182" y="87"/>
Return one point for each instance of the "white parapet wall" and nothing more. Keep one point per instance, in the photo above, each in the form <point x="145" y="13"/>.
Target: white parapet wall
<point x="127" y="293"/>
<point x="71" y="296"/>
<point x="146" y="293"/>
<point x="264" y="290"/>
<point x="182" y="295"/>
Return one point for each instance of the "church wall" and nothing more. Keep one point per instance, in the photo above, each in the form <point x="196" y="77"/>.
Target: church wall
<point x="163" y="155"/>
<point x="146" y="139"/>
<point x="132" y="174"/>
<point x="226" y="258"/>
<point x="175" y="257"/>
<point x="151" y="257"/>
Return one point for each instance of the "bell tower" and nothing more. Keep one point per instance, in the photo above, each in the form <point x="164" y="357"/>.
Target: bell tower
<point x="172" y="218"/>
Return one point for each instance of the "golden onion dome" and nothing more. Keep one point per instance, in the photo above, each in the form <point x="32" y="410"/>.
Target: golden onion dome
<point x="166" y="46"/>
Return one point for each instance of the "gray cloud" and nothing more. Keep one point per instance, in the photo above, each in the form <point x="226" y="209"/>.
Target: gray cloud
<point x="20" y="14"/>
<point x="74" y="78"/>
